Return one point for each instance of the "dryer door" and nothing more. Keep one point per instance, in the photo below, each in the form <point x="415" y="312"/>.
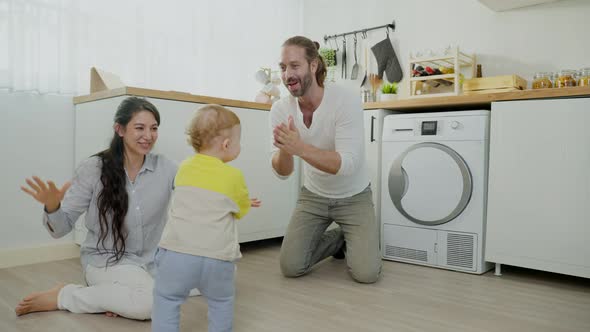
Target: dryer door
<point x="430" y="184"/>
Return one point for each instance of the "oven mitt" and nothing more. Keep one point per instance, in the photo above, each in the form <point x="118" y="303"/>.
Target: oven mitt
<point x="387" y="61"/>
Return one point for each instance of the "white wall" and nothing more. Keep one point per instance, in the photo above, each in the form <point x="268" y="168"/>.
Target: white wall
<point x="205" y="47"/>
<point x="546" y="37"/>
<point x="37" y="139"/>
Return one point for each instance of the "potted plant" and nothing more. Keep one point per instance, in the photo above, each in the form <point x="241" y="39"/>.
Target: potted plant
<point x="389" y="91"/>
<point x="329" y="56"/>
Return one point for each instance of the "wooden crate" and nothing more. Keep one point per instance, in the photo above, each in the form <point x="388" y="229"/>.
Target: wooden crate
<point x="513" y="82"/>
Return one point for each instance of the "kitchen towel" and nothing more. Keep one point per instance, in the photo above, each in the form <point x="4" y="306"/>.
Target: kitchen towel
<point x="387" y="61"/>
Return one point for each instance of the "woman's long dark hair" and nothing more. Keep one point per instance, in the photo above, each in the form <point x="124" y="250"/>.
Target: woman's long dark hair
<point x="113" y="200"/>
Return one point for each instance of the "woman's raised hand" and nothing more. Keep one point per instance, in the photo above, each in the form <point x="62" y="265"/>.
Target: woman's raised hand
<point x="46" y="193"/>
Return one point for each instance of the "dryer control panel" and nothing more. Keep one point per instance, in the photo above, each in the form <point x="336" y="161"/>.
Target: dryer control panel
<point x="441" y="126"/>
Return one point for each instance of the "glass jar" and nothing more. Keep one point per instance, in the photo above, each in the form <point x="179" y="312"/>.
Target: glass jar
<point x="367" y="96"/>
<point x="542" y="80"/>
<point x="584" y="78"/>
<point x="554" y="79"/>
<point x="566" y="78"/>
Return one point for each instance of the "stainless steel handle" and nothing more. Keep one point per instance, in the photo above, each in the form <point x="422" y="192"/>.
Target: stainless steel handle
<point x="372" y="128"/>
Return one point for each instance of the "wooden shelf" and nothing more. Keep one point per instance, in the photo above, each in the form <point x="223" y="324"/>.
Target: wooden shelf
<point x="475" y="101"/>
<point x="433" y="77"/>
<point x="445" y="60"/>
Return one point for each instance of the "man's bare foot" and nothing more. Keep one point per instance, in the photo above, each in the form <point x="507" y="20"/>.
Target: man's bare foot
<point x="41" y="301"/>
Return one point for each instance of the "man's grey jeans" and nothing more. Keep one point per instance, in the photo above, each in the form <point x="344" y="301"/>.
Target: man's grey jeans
<point x="307" y="242"/>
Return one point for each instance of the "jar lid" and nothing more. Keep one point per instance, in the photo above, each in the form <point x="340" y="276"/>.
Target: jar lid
<point x="540" y="74"/>
<point x="567" y="72"/>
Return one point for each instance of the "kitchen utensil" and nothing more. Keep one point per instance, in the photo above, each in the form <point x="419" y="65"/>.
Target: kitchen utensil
<point x="375" y="82"/>
<point x="355" y="68"/>
<point x="366" y="59"/>
<point x="344" y="58"/>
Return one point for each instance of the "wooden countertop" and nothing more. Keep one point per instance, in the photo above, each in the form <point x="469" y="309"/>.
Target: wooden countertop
<point x="411" y="105"/>
<point x="476" y="101"/>
<point x="171" y="95"/>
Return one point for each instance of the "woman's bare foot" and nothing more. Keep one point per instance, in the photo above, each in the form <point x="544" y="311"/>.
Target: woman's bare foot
<point x="111" y="314"/>
<point x="42" y="301"/>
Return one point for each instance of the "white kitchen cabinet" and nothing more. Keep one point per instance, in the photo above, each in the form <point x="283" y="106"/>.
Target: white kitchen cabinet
<point x="539" y="185"/>
<point x="93" y="131"/>
<point x="373" y="120"/>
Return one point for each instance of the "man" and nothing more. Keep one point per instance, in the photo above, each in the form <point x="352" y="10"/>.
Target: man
<point x="324" y="127"/>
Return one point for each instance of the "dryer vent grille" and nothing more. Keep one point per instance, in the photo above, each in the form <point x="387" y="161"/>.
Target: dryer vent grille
<point x="460" y="250"/>
<point x="406" y="253"/>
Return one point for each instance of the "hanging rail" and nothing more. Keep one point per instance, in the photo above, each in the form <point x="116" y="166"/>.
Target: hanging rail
<point x="364" y="31"/>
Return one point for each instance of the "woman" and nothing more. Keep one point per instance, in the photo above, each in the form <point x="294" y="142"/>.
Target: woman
<point x="124" y="191"/>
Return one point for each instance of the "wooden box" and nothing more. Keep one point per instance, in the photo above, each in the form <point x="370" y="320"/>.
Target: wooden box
<point x="494" y="84"/>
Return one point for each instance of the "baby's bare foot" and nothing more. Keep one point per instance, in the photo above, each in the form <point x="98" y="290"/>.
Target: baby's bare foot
<point x="41" y="301"/>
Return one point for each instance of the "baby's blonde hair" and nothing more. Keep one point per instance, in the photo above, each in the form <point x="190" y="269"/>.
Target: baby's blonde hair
<point x="208" y="123"/>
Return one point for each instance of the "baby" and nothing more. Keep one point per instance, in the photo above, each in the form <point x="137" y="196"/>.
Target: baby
<point x="200" y="241"/>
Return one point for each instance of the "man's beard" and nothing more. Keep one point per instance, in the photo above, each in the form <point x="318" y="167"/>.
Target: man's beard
<point x="304" y="85"/>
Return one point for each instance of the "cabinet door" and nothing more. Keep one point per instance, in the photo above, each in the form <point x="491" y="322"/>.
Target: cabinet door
<point x="373" y="121"/>
<point x="538" y="193"/>
<point x="410" y="244"/>
<point x="278" y="196"/>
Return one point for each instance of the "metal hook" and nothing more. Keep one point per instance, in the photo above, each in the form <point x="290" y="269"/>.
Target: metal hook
<point x="337" y="48"/>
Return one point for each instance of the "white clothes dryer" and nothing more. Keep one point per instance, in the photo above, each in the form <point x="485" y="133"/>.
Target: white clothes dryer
<point x="434" y="189"/>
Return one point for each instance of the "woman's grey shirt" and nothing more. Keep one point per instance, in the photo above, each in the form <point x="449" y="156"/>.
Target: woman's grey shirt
<point x="149" y="196"/>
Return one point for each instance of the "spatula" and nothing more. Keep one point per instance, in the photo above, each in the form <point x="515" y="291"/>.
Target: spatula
<point x="366" y="66"/>
<point x="355" y="67"/>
